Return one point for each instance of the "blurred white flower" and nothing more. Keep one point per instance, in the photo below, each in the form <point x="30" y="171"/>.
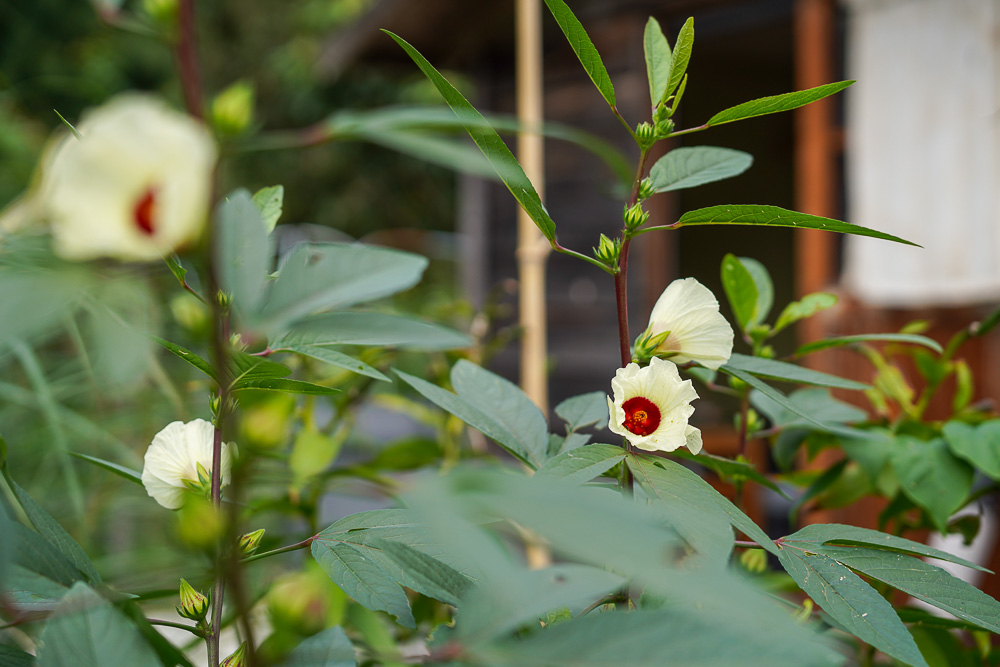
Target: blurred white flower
<point x="135" y="186"/>
<point x="651" y="407"/>
<point x="179" y="460"/>
<point x="686" y="325"/>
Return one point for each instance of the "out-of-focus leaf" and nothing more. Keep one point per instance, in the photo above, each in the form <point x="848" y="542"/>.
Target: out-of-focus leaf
<point x="56" y="535"/>
<point x="324" y="276"/>
<point x="817" y="403"/>
<point x="188" y="356"/>
<point x="689" y="167"/>
<point x="329" y="648"/>
<point x="370" y="329"/>
<point x="773" y="216"/>
<point x="728" y="469"/>
<point x="244" y="252"/>
<point x="584" y="49"/>
<point x="12" y="657"/>
<point x="583" y="464"/>
<point x="434" y="578"/>
<point x="979" y="445"/>
<point x="87" y="631"/>
<point x="932" y="477"/>
<point x="741" y="290"/>
<point x="269" y="202"/>
<point x="808" y="306"/>
<point x="841" y="341"/>
<point x="334" y="358"/>
<point x="776" y="103"/>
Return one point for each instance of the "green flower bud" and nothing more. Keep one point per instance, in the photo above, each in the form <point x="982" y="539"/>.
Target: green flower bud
<point x="646" y="189"/>
<point x="238" y="658"/>
<point x="163" y="12"/>
<point x="232" y="109"/>
<point x="634" y="217"/>
<point x="646" y="346"/>
<point x="194" y="605"/>
<point x="664" y="128"/>
<point x="236" y="342"/>
<point x="250" y="541"/>
<point x="754" y="561"/>
<point x="645" y="135"/>
<point x="608" y="251"/>
<point x="803" y="614"/>
<point x="190" y="313"/>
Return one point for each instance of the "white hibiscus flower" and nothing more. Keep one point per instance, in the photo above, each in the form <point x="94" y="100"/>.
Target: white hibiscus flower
<point x="686" y="325"/>
<point x="651" y="407"/>
<point x="180" y="460"/>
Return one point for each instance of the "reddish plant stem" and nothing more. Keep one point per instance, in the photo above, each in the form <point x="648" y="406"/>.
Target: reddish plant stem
<point x="621" y="298"/>
<point x="187" y="58"/>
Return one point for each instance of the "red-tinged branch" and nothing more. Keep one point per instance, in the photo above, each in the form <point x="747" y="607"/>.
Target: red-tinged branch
<point x="187" y="58"/>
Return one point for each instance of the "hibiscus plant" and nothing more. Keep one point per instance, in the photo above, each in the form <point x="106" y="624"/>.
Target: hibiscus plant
<point x="563" y="551"/>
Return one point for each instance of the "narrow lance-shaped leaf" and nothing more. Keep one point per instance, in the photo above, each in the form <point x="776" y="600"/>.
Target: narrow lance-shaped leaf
<point x="681" y="57"/>
<point x="584" y="48"/>
<point x="780" y="370"/>
<point x="808" y="306"/>
<point x="658" y="60"/>
<point x="773" y="216"/>
<point x="489" y="142"/>
<point x="692" y="166"/>
<point x="776" y="103"/>
<point x="842" y="341"/>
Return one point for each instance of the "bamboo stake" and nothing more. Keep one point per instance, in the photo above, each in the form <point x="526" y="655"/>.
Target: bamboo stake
<point x="532" y="250"/>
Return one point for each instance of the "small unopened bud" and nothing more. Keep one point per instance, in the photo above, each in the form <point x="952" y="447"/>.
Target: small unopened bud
<point x="645" y="135"/>
<point x="194" y="605"/>
<point x="225" y="299"/>
<point x="237" y="343"/>
<point x="646" y="189"/>
<point x="215" y="404"/>
<point x="803" y="614"/>
<point x="664" y="128"/>
<point x="163" y="12"/>
<point x="754" y="561"/>
<point x="634" y="217"/>
<point x="250" y="541"/>
<point x="204" y="482"/>
<point x="607" y="251"/>
<point x="238" y="658"/>
<point x="232" y="109"/>
<point x="647" y="346"/>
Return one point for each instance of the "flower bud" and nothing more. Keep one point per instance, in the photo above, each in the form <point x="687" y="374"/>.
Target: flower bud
<point x="250" y="541"/>
<point x="645" y="135"/>
<point x="634" y="217"/>
<point x="646" y="189"/>
<point x="754" y="561"/>
<point x="607" y="251"/>
<point x="164" y="12"/>
<point x="238" y="658"/>
<point x="664" y="128"/>
<point x="194" y="605"/>
<point x="190" y="313"/>
<point x="232" y="109"/>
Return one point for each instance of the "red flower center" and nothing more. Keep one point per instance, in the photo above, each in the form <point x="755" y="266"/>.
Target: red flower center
<point x="143" y="212"/>
<point x="642" y="417"/>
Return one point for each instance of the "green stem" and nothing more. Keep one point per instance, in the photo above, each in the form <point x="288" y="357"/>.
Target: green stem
<point x="689" y="130"/>
<point x="171" y="624"/>
<point x="274" y="552"/>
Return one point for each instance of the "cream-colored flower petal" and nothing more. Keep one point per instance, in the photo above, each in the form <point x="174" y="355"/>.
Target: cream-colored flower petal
<point x="173" y="459"/>
<point x="133" y="146"/>
<point x="698" y="331"/>
<point x="693" y="439"/>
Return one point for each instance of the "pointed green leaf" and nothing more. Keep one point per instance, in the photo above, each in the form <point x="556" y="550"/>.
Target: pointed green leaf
<point x="489" y="142"/>
<point x="120" y="470"/>
<point x="33" y="552"/>
<point x="689" y="504"/>
<point x="584" y="463"/>
<point x="776" y="103"/>
<point x="681" y="56"/>
<point x="269" y="201"/>
<point x="932" y="477"/>
<point x="367" y="583"/>
<point x="426" y="574"/>
<point x="482" y="421"/>
<point x="923" y="581"/>
<point x="842" y="341"/>
<point x="505" y="402"/>
<point x="329" y="648"/>
<point x="781" y="370"/>
<point x="87" y="631"/>
<point x="689" y="167"/>
<point x="840" y="535"/>
<point x="729" y="469"/>
<point x="56" y="535"/>
<point x="979" y="445"/>
<point x="283" y="384"/>
<point x="173" y="263"/>
<point x="244" y="251"/>
<point x="852" y="603"/>
<point x="658" y="60"/>
<point x="583" y="48"/>
<point x="584" y="410"/>
<point x="334" y="358"/>
<point x="324" y="276"/>
<point x="371" y="329"/>
<point x="808" y="306"/>
<point x="773" y="216"/>
<point x="188" y="356"/>
<point x="765" y="290"/>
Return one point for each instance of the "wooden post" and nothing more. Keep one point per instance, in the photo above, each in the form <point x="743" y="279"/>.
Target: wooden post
<point x="532" y="249"/>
